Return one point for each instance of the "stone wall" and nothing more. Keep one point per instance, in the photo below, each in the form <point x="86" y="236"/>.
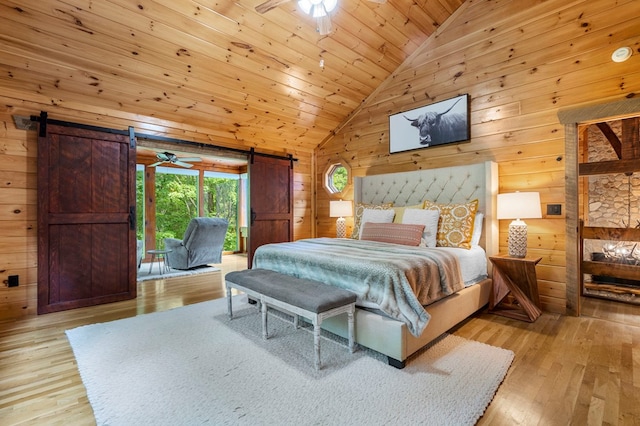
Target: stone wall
<point x="613" y="200"/>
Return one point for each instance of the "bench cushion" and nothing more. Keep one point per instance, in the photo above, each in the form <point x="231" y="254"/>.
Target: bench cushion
<point x="312" y="296"/>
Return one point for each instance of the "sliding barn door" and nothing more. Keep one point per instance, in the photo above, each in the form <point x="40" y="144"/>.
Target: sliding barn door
<point x="86" y="217"/>
<point x="270" y="201"/>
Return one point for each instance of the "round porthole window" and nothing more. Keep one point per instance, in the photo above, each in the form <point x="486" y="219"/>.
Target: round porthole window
<point x="336" y="178"/>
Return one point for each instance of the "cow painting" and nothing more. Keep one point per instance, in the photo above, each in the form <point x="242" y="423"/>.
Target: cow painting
<point x="435" y="127"/>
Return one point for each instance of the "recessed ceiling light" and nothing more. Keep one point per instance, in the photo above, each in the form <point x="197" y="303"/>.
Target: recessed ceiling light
<point x="621" y="54"/>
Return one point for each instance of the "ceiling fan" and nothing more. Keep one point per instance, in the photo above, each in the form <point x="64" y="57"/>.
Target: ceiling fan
<point x="169" y="157"/>
<point x="319" y="9"/>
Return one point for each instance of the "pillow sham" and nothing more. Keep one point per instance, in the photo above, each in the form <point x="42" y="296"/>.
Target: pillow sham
<point x="455" y="226"/>
<point x="396" y="233"/>
<point x="428" y="218"/>
<point x="477" y="229"/>
<point x="376" y="216"/>
<point x="359" y="210"/>
<point x="401" y="209"/>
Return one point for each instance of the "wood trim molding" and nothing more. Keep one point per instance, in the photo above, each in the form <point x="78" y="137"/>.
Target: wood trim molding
<point x="594" y="113"/>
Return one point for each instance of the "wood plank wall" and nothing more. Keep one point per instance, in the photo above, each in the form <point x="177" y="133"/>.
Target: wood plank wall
<point x="18" y="202"/>
<point x="520" y="65"/>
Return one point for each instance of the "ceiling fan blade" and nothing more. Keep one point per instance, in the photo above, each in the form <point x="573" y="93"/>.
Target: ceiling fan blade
<point x="180" y="163"/>
<point x="191" y="159"/>
<point x="269" y="4"/>
<point x="378" y="1"/>
<point x="324" y="25"/>
<point x="163" y="156"/>
<point x="156" y="164"/>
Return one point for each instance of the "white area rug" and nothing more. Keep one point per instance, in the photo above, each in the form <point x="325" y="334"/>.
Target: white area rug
<point x="191" y="366"/>
<point x="144" y="275"/>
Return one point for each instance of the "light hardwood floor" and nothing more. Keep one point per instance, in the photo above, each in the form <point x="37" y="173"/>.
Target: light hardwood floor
<point x="566" y="370"/>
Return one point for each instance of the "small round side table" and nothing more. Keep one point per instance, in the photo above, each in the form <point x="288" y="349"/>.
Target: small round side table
<point x="159" y="255"/>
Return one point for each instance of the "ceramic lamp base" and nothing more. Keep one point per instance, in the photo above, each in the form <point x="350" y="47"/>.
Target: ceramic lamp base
<point x="341" y="228"/>
<point x="517" y="239"/>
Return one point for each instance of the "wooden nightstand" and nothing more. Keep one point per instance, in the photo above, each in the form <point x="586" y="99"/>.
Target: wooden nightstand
<point x="515" y="287"/>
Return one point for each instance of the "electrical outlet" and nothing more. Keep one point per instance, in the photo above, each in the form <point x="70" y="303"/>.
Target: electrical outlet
<point x="14" y="281"/>
<point x="554" y="209"/>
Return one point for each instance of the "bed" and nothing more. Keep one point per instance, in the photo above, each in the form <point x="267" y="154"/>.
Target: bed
<point x="397" y="326"/>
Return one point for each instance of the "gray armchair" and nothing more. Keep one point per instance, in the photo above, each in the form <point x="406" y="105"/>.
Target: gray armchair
<point x="202" y="243"/>
<point x="140" y="251"/>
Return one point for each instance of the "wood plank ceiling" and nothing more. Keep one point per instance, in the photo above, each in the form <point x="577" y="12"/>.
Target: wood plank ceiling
<point x="209" y="70"/>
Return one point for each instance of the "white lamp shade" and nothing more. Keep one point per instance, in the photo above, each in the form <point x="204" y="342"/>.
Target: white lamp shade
<point x="519" y="205"/>
<point x="340" y="208"/>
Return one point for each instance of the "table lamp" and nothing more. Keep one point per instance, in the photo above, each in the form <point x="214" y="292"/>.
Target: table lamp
<point x="340" y="209"/>
<point x="518" y="206"/>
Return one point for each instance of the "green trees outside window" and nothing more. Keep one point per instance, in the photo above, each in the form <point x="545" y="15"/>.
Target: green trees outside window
<point x="221" y="200"/>
<point x="177" y="202"/>
<point x="140" y="202"/>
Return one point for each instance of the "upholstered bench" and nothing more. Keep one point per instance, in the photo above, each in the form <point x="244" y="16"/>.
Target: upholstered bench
<point x="310" y="299"/>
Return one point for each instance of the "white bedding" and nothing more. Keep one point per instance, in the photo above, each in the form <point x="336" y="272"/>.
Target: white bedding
<point x="473" y="263"/>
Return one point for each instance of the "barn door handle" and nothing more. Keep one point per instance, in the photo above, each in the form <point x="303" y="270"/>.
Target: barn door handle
<point x="132" y="218"/>
<point x="253" y="215"/>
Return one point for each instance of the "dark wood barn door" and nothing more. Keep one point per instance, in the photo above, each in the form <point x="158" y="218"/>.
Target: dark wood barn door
<point x="86" y="218"/>
<point x="271" y="202"/>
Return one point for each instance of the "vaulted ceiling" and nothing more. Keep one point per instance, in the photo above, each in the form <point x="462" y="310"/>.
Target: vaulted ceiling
<point x="216" y="71"/>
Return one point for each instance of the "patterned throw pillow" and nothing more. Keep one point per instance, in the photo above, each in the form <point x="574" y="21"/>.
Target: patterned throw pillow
<point x="455" y="226"/>
<point x="396" y="233"/>
<point x="428" y="218"/>
<point x="357" y="219"/>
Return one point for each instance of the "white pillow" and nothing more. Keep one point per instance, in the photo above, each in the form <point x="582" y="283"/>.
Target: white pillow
<point x="377" y="216"/>
<point x="477" y="229"/>
<point x="428" y="218"/>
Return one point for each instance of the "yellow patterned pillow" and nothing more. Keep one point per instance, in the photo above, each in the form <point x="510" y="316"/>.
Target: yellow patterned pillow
<point x="357" y="216"/>
<point x="455" y="226"/>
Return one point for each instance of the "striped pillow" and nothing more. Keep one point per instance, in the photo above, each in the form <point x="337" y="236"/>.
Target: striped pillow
<point x="396" y="233"/>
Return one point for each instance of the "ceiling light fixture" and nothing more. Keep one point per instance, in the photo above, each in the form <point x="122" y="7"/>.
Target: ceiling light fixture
<point x="621" y="54"/>
<point x="320" y="10"/>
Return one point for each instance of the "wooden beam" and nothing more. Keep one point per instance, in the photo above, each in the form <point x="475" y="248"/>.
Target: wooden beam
<point x="607" y="269"/>
<point x="617" y="234"/>
<point x="609" y="167"/>
<point x="630" y="139"/>
<point x="150" y="208"/>
<point x="611" y="137"/>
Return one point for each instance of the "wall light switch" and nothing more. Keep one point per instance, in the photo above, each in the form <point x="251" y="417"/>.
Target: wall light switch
<point x="554" y="209"/>
<point x="13" y="281"/>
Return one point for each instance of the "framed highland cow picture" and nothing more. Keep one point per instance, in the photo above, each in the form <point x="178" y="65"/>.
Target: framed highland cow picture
<point x="431" y="125"/>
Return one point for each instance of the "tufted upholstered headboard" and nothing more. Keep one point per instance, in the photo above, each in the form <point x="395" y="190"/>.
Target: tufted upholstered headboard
<point x="456" y="184"/>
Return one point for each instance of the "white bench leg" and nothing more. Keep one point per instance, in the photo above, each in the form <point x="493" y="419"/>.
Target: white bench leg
<point x="352" y="340"/>
<point x="229" y="308"/>
<point x="265" y="333"/>
<point x="316" y="342"/>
